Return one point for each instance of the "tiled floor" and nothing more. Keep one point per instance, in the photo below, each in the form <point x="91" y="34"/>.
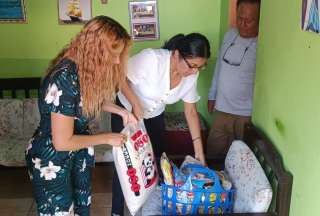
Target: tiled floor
<point x="16" y="195"/>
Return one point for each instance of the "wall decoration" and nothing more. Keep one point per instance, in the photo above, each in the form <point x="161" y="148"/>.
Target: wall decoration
<point x="74" y="11"/>
<point x="310" y="18"/>
<point x="144" y="20"/>
<point x="104" y="1"/>
<point x="12" y="11"/>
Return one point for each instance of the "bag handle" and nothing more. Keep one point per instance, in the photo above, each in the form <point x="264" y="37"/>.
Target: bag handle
<point x="197" y="168"/>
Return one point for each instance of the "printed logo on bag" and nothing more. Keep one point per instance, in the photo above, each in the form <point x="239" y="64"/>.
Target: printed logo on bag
<point x="148" y="170"/>
<point x="140" y="140"/>
<point x="131" y="172"/>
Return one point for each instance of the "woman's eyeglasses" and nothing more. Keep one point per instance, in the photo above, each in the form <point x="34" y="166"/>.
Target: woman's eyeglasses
<point x="199" y="68"/>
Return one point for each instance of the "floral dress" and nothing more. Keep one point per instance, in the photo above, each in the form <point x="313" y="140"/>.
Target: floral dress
<point x="61" y="180"/>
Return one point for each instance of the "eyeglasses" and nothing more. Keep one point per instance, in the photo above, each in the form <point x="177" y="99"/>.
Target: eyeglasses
<point x="235" y="62"/>
<point x="199" y="68"/>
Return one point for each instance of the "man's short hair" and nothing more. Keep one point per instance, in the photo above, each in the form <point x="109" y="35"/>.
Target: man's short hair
<point x="248" y="1"/>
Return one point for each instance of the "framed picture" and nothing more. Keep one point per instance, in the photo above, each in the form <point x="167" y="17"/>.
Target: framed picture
<point x="144" y="21"/>
<point x="310" y="16"/>
<point x="12" y="11"/>
<point x="74" y="11"/>
<point x="144" y="31"/>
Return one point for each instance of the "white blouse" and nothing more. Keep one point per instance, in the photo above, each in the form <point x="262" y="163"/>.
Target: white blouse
<point x="149" y="77"/>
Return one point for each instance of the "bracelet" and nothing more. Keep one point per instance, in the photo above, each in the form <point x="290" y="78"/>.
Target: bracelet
<point x="196" y="139"/>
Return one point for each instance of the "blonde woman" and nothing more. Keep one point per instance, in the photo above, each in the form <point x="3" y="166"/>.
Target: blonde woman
<point x="79" y="84"/>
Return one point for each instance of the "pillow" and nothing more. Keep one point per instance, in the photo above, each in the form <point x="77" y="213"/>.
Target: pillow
<point x="11" y="117"/>
<point x="31" y="116"/>
<point x="253" y="190"/>
<point x="101" y="123"/>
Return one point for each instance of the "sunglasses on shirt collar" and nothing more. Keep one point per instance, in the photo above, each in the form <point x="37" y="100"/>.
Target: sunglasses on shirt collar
<point x="234" y="63"/>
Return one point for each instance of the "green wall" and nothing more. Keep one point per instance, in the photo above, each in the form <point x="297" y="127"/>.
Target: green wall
<point x="286" y="100"/>
<point x="26" y="49"/>
<point x="286" y="89"/>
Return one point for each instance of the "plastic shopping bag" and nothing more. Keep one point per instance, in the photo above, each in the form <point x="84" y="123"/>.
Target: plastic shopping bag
<point x="136" y="166"/>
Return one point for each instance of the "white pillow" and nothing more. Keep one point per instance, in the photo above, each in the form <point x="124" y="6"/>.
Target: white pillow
<point x="253" y="190"/>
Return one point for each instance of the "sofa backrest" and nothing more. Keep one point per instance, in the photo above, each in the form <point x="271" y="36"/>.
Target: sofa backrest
<point x="18" y="117"/>
<point x="271" y="161"/>
<point x="31" y="116"/>
<point x="19" y="87"/>
<point x="18" y="106"/>
<point x="11" y="118"/>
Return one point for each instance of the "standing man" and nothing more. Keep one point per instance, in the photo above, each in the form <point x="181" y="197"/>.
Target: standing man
<point x="231" y="91"/>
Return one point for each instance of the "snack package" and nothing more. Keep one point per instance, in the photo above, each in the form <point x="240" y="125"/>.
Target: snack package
<point x="167" y="169"/>
<point x="136" y="166"/>
<point x="189" y="160"/>
<point x="179" y="177"/>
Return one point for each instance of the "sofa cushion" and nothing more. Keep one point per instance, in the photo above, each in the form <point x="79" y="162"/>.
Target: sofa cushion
<point x="12" y="151"/>
<point x="102" y="153"/>
<point x="176" y="121"/>
<point x="11" y="118"/>
<point x="31" y="116"/>
<point x="253" y="190"/>
<point x="177" y="134"/>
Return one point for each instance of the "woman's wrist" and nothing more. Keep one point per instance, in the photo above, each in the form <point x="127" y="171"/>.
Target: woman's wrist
<point x="196" y="139"/>
<point x="123" y="112"/>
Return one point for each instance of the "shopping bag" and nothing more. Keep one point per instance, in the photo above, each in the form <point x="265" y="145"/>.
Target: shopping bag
<point x="136" y="166"/>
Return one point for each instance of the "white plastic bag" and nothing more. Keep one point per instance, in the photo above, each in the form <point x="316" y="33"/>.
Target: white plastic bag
<point x="136" y="166"/>
<point x="153" y="206"/>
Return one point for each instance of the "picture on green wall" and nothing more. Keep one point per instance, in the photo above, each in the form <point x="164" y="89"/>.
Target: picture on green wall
<point x="310" y="19"/>
<point x="144" y="20"/>
<point x="12" y="11"/>
<point x="74" y="11"/>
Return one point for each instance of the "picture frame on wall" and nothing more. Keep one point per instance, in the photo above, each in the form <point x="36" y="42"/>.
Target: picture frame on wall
<point x="144" y="21"/>
<point x="310" y="16"/>
<point x="12" y="11"/>
<point x="74" y="11"/>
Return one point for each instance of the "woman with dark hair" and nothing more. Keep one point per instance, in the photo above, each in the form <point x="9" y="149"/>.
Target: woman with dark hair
<point x="79" y="84"/>
<point x="157" y="77"/>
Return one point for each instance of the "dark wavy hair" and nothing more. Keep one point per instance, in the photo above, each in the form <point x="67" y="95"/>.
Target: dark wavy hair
<point x="190" y="45"/>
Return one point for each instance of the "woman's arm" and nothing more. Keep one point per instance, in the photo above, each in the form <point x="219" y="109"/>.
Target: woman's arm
<point x="127" y="117"/>
<point x="192" y="117"/>
<point x="137" y="108"/>
<point x="64" y="139"/>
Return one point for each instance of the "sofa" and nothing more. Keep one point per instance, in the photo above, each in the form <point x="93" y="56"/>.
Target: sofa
<point x="177" y="134"/>
<point x="19" y="117"/>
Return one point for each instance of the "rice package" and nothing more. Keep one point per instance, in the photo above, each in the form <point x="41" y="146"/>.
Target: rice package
<point x="136" y="166"/>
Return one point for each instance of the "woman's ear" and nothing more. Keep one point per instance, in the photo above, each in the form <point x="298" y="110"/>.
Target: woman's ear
<point x="175" y="59"/>
<point x="176" y="54"/>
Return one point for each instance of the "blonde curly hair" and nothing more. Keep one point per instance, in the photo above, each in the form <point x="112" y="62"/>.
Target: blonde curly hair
<point x="95" y="50"/>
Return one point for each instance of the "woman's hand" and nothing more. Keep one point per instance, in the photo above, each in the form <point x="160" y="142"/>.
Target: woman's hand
<point x="199" y="155"/>
<point x="211" y="106"/>
<point x="128" y="117"/>
<point x="137" y="110"/>
<point x="201" y="158"/>
<point x="115" y="139"/>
